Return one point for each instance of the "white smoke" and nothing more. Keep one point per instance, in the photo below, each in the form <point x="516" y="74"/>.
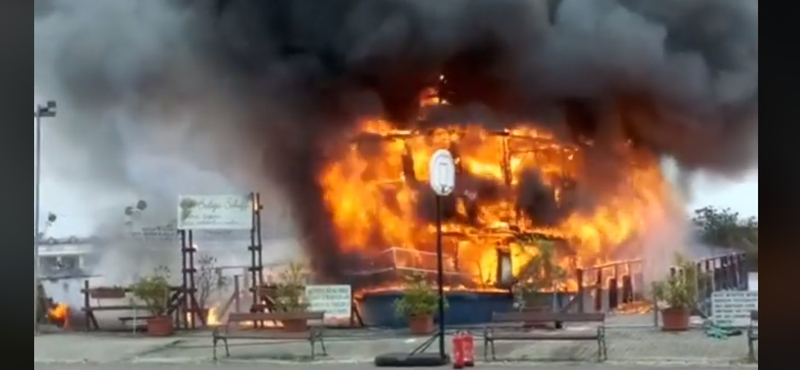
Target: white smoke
<point x="108" y="147"/>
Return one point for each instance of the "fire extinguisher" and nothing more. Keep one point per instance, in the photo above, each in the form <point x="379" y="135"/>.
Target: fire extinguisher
<point x="468" y="349"/>
<point x="458" y="351"/>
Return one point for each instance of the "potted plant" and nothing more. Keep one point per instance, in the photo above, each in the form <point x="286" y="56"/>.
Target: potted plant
<point x="154" y="290"/>
<point x="677" y="294"/>
<point x="418" y="304"/>
<point x="290" y="295"/>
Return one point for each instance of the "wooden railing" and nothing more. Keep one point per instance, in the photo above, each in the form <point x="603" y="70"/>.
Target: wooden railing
<point x="622" y="282"/>
<point x="612" y="284"/>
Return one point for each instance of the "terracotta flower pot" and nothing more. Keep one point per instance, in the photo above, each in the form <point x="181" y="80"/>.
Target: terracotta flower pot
<point x="295" y="326"/>
<point x="420" y="325"/>
<point x="675" y="319"/>
<point x="160" y="326"/>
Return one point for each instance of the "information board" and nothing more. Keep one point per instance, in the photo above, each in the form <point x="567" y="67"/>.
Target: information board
<point x="215" y="212"/>
<point x="335" y="300"/>
<point x="732" y="308"/>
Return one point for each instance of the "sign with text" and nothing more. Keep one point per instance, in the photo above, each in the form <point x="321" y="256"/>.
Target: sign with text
<point x="732" y="308"/>
<point x="215" y="212"/>
<point x="335" y="300"/>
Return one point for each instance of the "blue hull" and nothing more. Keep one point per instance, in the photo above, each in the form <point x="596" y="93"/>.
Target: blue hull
<point x="465" y="308"/>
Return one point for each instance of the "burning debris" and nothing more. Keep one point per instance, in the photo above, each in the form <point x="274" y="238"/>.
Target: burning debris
<point x="559" y="112"/>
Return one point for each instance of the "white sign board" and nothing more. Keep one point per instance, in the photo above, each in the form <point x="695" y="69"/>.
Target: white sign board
<point x="732" y="308"/>
<point x="215" y="212"/>
<point x="335" y="300"/>
<point x="442" y="172"/>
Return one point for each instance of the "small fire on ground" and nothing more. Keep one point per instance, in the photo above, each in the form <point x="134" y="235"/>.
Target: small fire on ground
<point x="214" y="319"/>
<point x="58" y="314"/>
<point x="634" y="308"/>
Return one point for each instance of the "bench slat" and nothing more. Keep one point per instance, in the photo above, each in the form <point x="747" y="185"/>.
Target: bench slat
<point x="275" y="316"/>
<point x="264" y="334"/>
<point x="115" y="308"/>
<point x="543" y="336"/>
<point x="546" y="317"/>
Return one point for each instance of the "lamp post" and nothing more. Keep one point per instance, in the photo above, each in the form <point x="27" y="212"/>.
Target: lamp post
<point x="47" y="110"/>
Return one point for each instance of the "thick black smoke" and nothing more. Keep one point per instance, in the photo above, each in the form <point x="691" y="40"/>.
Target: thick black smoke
<point x="677" y="77"/>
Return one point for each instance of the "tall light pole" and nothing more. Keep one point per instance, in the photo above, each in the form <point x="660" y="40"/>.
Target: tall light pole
<point x="47" y="110"/>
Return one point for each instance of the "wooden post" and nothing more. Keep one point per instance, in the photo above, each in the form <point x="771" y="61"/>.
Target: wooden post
<point x="709" y="272"/>
<point x="598" y="298"/>
<point x="627" y="289"/>
<point x="579" y="277"/>
<point x="237" y="302"/>
<point x="184" y="283"/>
<point x="725" y="276"/>
<point x="745" y="271"/>
<point x="612" y="293"/>
<point x="655" y="312"/>
<point x="701" y="282"/>
<point x="86" y="304"/>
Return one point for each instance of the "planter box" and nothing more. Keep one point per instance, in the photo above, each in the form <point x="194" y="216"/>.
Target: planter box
<point x="421" y="325"/>
<point x="465" y="308"/>
<point x="160" y="326"/>
<point x="675" y="319"/>
<point x="107" y="293"/>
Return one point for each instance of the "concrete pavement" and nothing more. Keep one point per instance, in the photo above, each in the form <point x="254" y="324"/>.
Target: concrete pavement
<point x="251" y="366"/>
<point x="631" y="340"/>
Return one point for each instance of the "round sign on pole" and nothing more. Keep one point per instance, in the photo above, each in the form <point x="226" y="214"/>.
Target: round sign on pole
<point x="442" y="172"/>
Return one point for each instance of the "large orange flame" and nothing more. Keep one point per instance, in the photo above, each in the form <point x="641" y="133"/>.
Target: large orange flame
<point x="374" y="201"/>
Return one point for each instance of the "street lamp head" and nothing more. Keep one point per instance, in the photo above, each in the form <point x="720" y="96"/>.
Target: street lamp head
<point x="47" y="110"/>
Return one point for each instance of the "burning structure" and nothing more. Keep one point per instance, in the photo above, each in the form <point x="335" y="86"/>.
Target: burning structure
<point x="511" y="183"/>
<point x="559" y="112"/>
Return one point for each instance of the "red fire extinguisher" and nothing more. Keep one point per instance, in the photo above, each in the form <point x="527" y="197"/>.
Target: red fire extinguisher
<point x="468" y="349"/>
<point x="458" y="351"/>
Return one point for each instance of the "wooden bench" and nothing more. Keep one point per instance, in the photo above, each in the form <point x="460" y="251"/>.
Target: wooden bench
<point x="233" y="329"/>
<point x="512" y="326"/>
<point x="118" y="293"/>
<point x="752" y="335"/>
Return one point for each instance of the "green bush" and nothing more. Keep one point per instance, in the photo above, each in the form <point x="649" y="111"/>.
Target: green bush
<point x="153" y="290"/>
<point x="679" y="290"/>
<point x="290" y="292"/>
<point x="419" y="298"/>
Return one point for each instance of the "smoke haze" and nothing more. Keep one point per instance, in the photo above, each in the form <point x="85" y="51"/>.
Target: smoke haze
<point x="253" y="90"/>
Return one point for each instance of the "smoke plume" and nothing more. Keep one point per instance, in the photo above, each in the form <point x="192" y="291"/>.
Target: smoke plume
<point x="277" y="80"/>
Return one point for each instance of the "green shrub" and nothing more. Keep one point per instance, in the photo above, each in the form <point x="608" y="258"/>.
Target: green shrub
<point x="419" y="298"/>
<point x="679" y="290"/>
<point x="154" y="290"/>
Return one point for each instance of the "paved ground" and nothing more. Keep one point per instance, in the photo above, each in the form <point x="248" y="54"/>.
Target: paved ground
<point x="245" y="366"/>
<point x="631" y="340"/>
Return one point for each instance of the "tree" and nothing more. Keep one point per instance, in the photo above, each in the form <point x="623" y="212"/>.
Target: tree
<point x="210" y="278"/>
<point x="542" y="273"/>
<point x="725" y="228"/>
